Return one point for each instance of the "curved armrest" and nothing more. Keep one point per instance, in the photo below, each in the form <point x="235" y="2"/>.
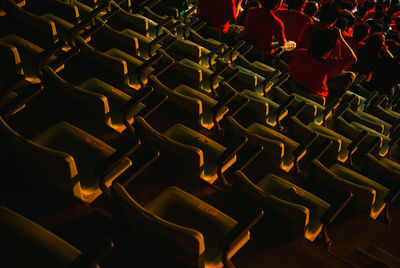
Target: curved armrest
<point x="281" y="79"/>
<point x="302" y="148"/>
<point x="370" y="98"/>
<point x="355" y="143"/>
<point x="389" y="199"/>
<point x="92" y="30"/>
<point x="236" y="47"/>
<point x="141" y="163"/>
<point x="113" y="160"/>
<point x="340" y="111"/>
<point x="284" y="106"/>
<point x="373" y="145"/>
<point x="153" y="105"/>
<point x="9" y="85"/>
<point x="394" y="140"/>
<point x="246" y="49"/>
<point x="325" y="146"/>
<point x="93" y="256"/>
<point x="214" y="52"/>
<point x="231" y="151"/>
<point x="271" y="76"/>
<point x="64" y="58"/>
<point x="236" y="233"/>
<point x="164" y="23"/>
<point x="378" y="101"/>
<point x="247" y="155"/>
<point x="237" y="107"/>
<point x="150" y="62"/>
<point x="217" y="107"/>
<point x="158" y="40"/>
<point x="395" y="126"/>
<point x="45" y="54"/>
<point x="138" y="97"/>
<point x="332" y="212"/>
<point x="199" y="25"/>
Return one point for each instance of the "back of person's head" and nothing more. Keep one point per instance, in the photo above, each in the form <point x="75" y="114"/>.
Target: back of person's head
<point x="271" y="4"/>
<point x="374" y="43"/>
<point x="379" y="12"/>
<point x="296" y="4"/>
<point x="361" y="31"/>
<point x="376" y="26"/>
<point x="322" y="41"/>
<point x="368" y="5"/>
<point x="342" y="23"/>
<point x="329" y="13"/>
<point x="311" y="8"/>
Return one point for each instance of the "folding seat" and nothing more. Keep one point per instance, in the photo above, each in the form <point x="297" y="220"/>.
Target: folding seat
<point x="183" y="227"/>
<point x="368" y="195"/>
<point x="29" y="244"/>
<point x="305" y="214"/>
<point x="280" y="150"/>
<point x="39" y="31"/>
<point x="107" y="105"/>
<point x="191" y="150"/>
<point x="69" y="157"/>
<point x="204" y="109"/>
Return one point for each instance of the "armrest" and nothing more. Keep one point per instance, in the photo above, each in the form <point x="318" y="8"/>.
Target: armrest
<point x="271" y="76"/>
<point x="10" y="85"/>
<point x="373" y="145"/>
<point x="246" y="49"/>
<point x="153" y="105"/>
<point x="215" y="51"/>
<point x="331" y="107"/>
<point x="93" y="256"/>
<point x="298" y="109"/>
<point x="325" y="146"/>
<point x="236" y="47"/>
<point x="392" y="195"/>
<point x="199" y="25"/>
<point x="281" y="79"/>
<point x="112" y="161"/>
<point x="371" y="96"/>
<point x="394" y="140"/>
<point x="246" y="156"/>
<point x="215" y="74"/>
<point x="158" y="40"/>
<point x="64" y="58"/>
<point x="395" y="126"/>
<point x="355" y="143"/>
<point x="379" y="100"/>
<point x="302" y="148"/>
<point x="231" y="75"/>
<point x="237" y="107"/>
<point x="92" y="30"/>
<point x="189" y="12"/>
<point x="24" y="96"/>
<point x="44" y="55"/>
<point x="334" y="210"/>
<point x="138" y="97"/>
<point x="231" y="151"/>
<point x="153" y="60"/>
<point x="284" y="105"/>
<point x="164" y="23"/>
<point x="141" y="163"/>
<point x="217" y="107"/>
<point x="340" y="111"/>
<point x="232" y="238"/>
<point x="148" y="3"/>
<point x="175" y="25"/>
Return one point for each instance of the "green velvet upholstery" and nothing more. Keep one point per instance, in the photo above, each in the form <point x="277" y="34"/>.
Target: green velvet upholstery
<point x="116" y="100"/>
<point x="132" y="63"/>
<point x="264" y="107"/>
<point x="384" y="170"/>
<point x="205" y="83"/>
<point x="354" y="177"/>
<point x="193" y="51"/>
<point x="27" y="244"/>
<point x="373" y="133"/>
<point x="207" y="103"/>
<point x="367" y="116"/>
<point x="180" y="225"/>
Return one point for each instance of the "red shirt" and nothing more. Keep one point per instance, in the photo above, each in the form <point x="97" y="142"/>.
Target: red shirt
<point x="355" y="45"/>
<point x="309" y="30"/>
<point x="261" y="27"/>
<point x="218" y="13"/>
<point x="294" y="22"/>
<point x="311" y="72"/>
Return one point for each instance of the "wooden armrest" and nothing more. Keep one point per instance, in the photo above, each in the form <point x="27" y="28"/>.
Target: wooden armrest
<point x="64" y="58"/>
<point x="93" y="256"/>
<point x="334" y="210"/>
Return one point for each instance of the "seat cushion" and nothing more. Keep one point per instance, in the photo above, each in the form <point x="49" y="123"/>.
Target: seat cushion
<point x="211" y="149"/>
<point x="181" y="208"/>
<point x="88" y="153"/>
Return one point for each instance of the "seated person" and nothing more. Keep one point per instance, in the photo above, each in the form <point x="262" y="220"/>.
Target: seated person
<point x="311" y="9"/>
<point x="262" y="27"/>
<point x="293" y="18"/>
<point x="219" y="14"/>
<point x="360" y="33"/>
<point x="328" y="16"/>
<point x="311" y="67"/>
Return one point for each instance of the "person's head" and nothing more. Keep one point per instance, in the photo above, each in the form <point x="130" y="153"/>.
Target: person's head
<point x="374" y="43"/>
<point x="271" y="4"/>
<point x="376" y="26"/>
<point x="368" y="5"/>
<point x="296" y="4"/>
<point x="342" y="23"/>
<point x="311" y="8"/>
<point x="361" y="31"/>
<point x="322" y="42"/>
<point x="329" y="13"/>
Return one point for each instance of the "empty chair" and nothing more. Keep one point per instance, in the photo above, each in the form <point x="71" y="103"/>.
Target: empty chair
<point x="191" y="150"/>
<point x="29" y="244"/>
<point x="68" y="157"/>
<point x="305" y="213"/>
<point x="183" y="226"/>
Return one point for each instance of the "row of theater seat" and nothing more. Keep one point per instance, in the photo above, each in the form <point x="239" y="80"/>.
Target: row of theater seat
<point x="120" y="71"/>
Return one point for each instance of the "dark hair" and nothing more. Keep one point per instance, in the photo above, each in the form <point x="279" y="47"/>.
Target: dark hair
<point x="322" y="41"/>
<point x="361" y="31"/>
<point x="329" y="13"/>
<point x="270" y="4"/>
<point x="368" y="55"/>
<point x="342" y="23"/>
<point x="311" y="8"/>
<point x="296" y="4"/>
